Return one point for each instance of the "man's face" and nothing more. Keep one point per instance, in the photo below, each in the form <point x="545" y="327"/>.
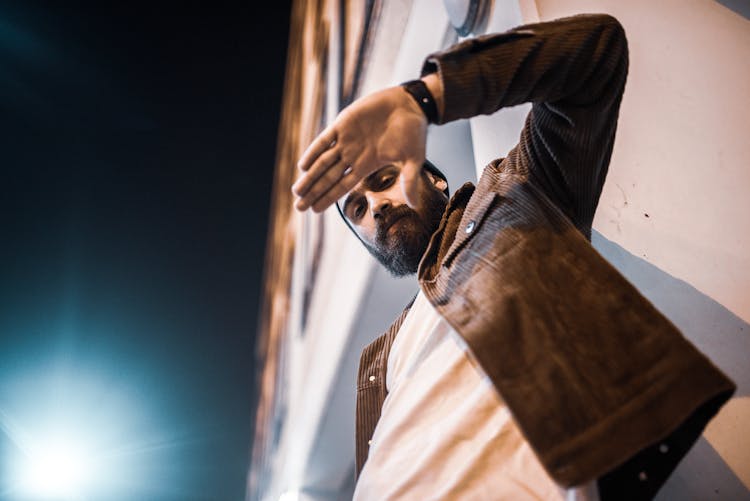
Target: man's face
<point x="393" y="232"/>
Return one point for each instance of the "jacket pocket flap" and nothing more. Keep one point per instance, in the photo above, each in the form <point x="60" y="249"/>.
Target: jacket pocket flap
<point x="471" y="222"/>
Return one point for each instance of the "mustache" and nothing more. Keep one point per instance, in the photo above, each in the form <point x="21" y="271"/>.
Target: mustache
<point x="391" y="217"/>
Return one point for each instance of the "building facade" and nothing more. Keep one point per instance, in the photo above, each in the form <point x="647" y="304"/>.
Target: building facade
<point x="673" y="216"/>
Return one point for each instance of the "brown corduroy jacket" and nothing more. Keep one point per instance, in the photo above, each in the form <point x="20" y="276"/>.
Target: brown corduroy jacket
<point x="600" y="383"/>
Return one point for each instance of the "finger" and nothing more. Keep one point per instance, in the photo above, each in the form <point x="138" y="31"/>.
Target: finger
<point x="324" y="162"/>
<point x="324" y="184"/>
<point x="335" y="193"/>
<point x="320" y="144"/>
<point x="410" y="179"/>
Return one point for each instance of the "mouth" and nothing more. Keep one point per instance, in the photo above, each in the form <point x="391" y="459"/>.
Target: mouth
<point x="387" y="230"/>
<point x="395" y="222"/>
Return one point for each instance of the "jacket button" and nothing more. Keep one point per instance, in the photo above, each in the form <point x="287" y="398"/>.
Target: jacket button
<point x="470" y="226"/>
<point x="642" y="476"/>
<point x="371" y="378"/>
<point x="663" y="448"/>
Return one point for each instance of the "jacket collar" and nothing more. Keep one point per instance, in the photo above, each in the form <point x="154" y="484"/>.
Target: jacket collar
<point x="443" y="237"/>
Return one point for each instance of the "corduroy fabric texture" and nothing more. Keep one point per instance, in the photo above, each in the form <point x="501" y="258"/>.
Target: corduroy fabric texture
<point x="596" y="378"/>
<point x="371" y="389"/>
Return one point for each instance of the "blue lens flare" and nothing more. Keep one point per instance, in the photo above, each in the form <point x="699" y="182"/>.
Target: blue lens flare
<point x="86" y="434"/>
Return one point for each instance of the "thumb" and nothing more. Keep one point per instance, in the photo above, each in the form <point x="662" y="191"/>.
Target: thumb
<point x="410" y="179"/>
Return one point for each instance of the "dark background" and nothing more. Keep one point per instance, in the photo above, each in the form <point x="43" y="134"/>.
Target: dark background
<point x="137" y="146"/>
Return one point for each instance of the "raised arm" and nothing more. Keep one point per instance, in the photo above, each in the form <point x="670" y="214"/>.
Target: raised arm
<point x="572" y="69"/>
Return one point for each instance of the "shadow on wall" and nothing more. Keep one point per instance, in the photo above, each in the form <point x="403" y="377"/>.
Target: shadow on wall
<point x="720" y="335"/>
<point x="703" y="475"/>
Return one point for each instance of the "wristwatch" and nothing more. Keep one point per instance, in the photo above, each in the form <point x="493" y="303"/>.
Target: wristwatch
<point x="421" y="94"/>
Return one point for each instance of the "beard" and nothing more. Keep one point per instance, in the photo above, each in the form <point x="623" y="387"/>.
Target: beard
<point x="404" y="233"/>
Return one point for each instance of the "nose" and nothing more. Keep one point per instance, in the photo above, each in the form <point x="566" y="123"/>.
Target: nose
<point x="379" y="205"/>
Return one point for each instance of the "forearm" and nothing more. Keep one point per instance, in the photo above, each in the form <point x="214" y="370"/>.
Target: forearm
<point x="575" y="60"/>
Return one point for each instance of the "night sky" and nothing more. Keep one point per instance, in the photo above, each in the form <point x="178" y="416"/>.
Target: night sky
<point x="137" y="146"/>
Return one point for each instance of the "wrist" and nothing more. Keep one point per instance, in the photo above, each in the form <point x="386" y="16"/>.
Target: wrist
<point x="435" y="86"/>
<point x="420" y="94"/>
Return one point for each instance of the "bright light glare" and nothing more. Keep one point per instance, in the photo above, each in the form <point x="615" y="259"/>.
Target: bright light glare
<point x="289" y="496"/>
<point x="78" y="435"/>
<point x="55" y="469"/>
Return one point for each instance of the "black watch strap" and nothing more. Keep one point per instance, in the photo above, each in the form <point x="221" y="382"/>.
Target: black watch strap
<point x="421" y="94"/>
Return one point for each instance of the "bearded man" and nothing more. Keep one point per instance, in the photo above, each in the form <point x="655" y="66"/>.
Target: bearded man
<point x="527" y="367"/>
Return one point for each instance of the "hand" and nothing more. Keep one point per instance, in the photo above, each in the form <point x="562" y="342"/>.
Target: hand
<point x="384" y="128"/>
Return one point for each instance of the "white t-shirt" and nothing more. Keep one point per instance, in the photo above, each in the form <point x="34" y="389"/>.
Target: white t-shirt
<point x="444" y="431"/>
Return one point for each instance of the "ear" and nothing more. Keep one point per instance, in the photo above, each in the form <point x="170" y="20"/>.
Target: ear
<point x="438" y="182"/>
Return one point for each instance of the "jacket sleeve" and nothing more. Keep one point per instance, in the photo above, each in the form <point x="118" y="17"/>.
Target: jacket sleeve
<point x="573" y="70"/>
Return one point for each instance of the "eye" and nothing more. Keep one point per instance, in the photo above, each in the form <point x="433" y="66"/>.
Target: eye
<point x="358" y="211"/>
<point x="385" y="181"/>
